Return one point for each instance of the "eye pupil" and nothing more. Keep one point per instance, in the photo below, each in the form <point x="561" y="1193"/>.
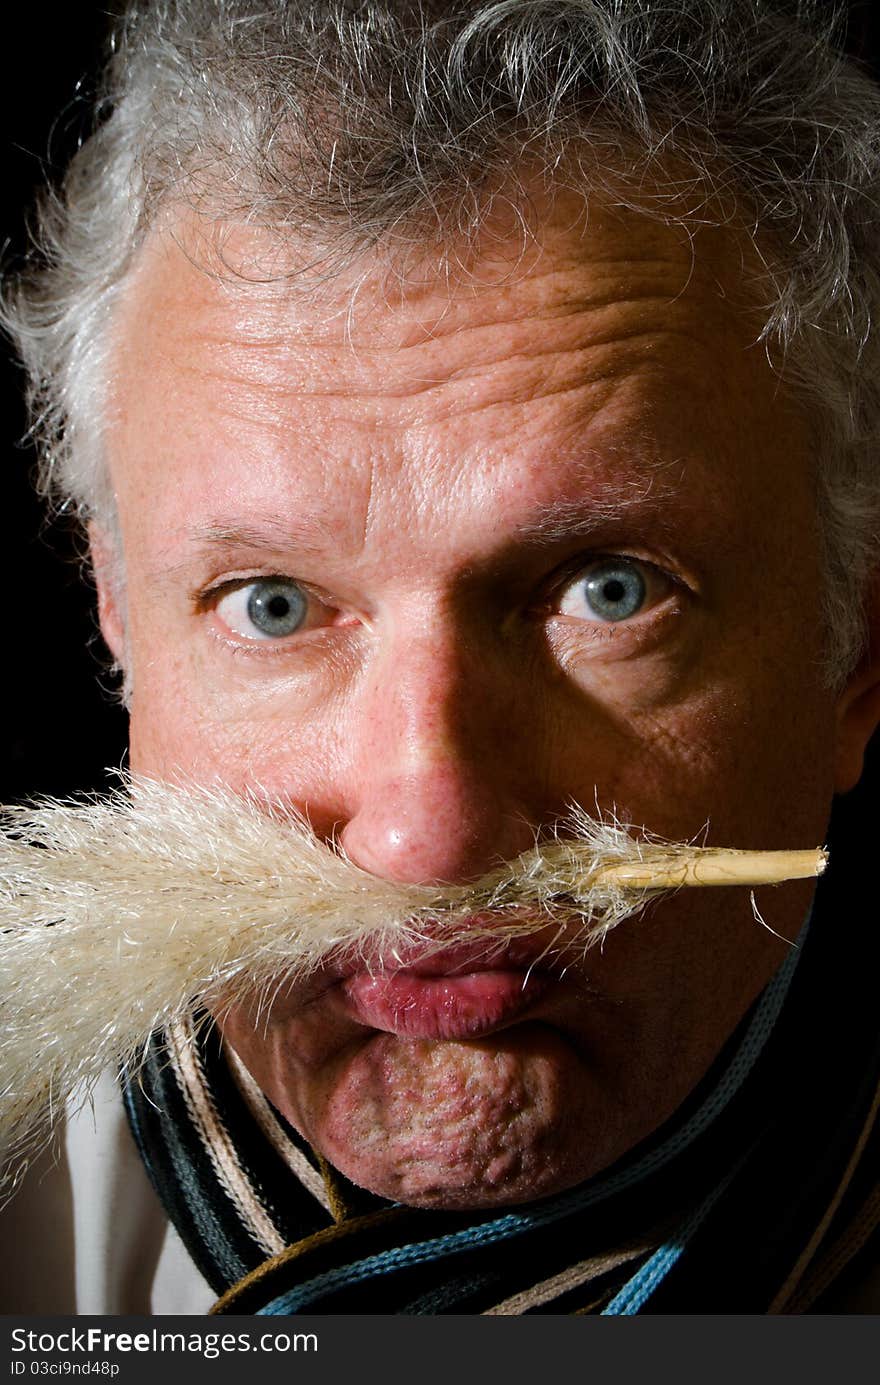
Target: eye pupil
<point x="276" y="606"/>
<point x="615" y="589"/>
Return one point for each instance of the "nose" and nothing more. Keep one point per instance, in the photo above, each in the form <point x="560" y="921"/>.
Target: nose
<point x="440" y="778"/>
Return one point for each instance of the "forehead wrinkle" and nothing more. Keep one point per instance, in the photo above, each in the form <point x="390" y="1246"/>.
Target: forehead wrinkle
<point x="552" y="297"/>
<point x="259" y="334"/>
<point x="276" y="363"/>
<point x="579" y="378"/>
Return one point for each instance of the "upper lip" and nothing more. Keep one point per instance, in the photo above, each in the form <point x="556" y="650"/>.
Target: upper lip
<point x="442" y="957"/>
<point x="540" y="952"/>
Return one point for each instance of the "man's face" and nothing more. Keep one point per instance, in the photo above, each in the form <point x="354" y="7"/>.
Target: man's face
<point x="430" y="571"/>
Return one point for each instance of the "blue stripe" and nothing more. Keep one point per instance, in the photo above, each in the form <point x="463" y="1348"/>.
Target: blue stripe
<point x="629" y="1300"/>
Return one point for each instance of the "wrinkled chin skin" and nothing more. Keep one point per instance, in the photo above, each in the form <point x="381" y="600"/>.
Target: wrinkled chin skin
<point x="456" y="1124"/>
<point x="451" y="1123"/>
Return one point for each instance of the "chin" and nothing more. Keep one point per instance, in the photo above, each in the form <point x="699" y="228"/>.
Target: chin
<point x="454" y="1125"/>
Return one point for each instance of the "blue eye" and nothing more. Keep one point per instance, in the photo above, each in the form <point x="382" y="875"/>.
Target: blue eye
<point x="268" y="608"/>
<point x="612" y="589"/>
<point x="276" y="608"/>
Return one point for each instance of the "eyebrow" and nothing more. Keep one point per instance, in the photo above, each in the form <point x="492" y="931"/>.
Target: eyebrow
<point x="268" y="535"/>
<point x="306" y="535"/>
<point x="562" y="519"/>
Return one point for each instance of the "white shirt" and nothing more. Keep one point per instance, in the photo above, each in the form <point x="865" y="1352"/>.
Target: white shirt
<point x="86" y="1233"/>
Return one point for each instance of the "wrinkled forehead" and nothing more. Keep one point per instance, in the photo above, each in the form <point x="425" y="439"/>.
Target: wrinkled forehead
<point x="576" y="346"/>
<point x="411" y="301"/>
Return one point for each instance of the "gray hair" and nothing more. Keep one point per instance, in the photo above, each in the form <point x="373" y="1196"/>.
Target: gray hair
<point x="362" y="125"/>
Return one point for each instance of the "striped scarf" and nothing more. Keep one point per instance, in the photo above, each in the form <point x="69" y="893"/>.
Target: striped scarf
<point x="756" y="1197"/>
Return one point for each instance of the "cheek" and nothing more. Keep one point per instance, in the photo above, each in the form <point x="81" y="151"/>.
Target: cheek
<point x="202" y="711"/>
<point x="732" y="783"/>
<point x="741" y="745"/>
<point x="178" y="736"/>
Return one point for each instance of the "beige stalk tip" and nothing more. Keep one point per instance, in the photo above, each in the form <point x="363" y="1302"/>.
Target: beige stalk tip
<point x="662" y="869"/>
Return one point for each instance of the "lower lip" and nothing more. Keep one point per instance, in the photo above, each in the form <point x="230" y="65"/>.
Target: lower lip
<point x="441" y="1007"/>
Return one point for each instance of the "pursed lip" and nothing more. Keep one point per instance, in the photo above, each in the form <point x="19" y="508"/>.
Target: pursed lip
<point x="454" y="992"/>
<point x="433" y="987"/>
<point x="466" y="1006"/>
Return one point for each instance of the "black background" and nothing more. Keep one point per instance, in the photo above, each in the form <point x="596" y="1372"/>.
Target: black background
<point x="64" y="728"/>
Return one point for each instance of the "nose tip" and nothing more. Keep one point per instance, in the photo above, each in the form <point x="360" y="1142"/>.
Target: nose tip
<point x="433" y="828"/>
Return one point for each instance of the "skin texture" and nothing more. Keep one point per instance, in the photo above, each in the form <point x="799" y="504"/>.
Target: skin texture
<point x="437" y="466"/>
